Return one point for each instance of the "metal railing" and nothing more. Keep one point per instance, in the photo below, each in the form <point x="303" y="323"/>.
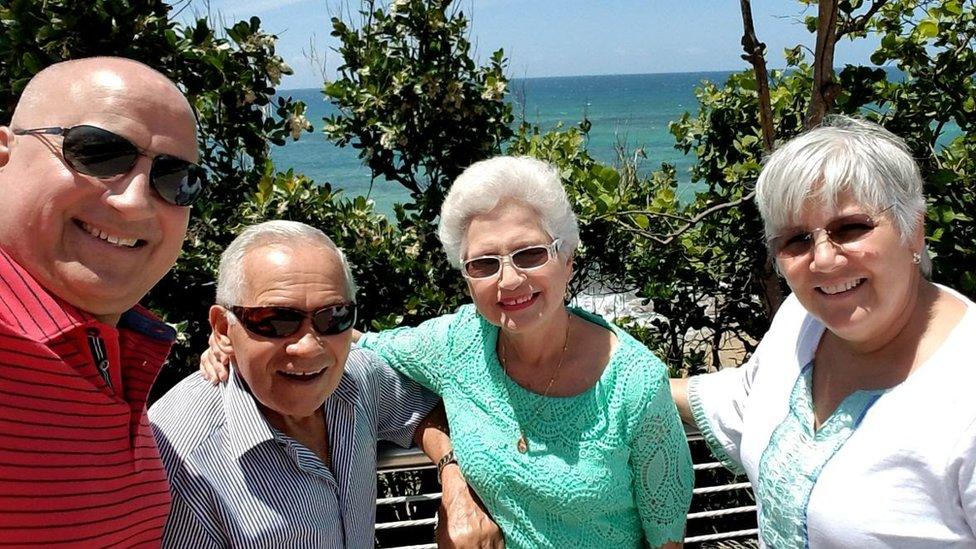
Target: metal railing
<point x="722" y="509"/>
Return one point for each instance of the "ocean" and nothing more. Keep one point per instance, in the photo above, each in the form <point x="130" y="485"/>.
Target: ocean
<point x="632" y="110"/>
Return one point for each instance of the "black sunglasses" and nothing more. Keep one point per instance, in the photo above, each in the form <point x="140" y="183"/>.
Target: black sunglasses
<point x="842" y="231"/>
<point x="278" y="322"/>
<point x="524" y="259"/>
<point x="100" y="153"/>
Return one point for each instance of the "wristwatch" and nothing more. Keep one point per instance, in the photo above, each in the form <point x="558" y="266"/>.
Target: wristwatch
<point x="444" y="462"/>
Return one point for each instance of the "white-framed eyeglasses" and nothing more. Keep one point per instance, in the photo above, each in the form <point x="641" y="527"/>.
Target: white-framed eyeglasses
<point x="523" y="259"/>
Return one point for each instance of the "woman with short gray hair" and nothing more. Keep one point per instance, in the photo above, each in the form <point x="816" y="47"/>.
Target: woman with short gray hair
<point x="854" y="419"/>
<point x="561" y="422"/>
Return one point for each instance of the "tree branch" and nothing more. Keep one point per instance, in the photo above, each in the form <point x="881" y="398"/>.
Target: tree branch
<point x="643" y="212"/>
<point x="694" y="220"/>
<point x="859" y="23"/>
<point x="825" y="90"/>
<point x="755" y="54"/>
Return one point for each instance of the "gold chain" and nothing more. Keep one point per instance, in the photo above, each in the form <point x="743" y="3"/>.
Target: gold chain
<point x="523" y="443"/>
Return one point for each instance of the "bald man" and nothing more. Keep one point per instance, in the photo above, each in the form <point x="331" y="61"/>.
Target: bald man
<point x="96" y="176"/>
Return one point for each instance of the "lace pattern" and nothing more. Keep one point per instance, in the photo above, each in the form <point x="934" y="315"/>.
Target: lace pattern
<point x="792" y="462"/>
<point x="607" y="467"/>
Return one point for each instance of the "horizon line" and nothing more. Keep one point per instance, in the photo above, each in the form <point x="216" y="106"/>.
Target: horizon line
<point x="555" y="77"/>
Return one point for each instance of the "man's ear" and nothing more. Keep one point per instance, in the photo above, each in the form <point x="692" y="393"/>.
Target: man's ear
<point x="220" y="325"/>
<point x="6" y="137"/>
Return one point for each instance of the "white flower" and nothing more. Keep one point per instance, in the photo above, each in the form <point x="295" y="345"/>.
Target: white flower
<point x="494" y="90"/>
<point x="397" y="5"/>
<point x="274" y="72"/>
<point x="297" y="123"/>
<point x="277" y="67"/>
<point x="388" y="139"/>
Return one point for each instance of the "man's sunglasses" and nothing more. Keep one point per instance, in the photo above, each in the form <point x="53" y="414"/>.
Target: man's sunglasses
<point x="90" y="150"/>
<point x="841" y="232"/>
<point x="278" y="322"/>
<point x="524" y="259"/>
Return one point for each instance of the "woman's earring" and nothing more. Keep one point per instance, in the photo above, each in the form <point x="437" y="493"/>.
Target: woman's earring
<point x="916" y="258"/>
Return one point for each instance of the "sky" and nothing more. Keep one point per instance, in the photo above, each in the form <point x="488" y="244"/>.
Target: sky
<point x="557" y="37"/>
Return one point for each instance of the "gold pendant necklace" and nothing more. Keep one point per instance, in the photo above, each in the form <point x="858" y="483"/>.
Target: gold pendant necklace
<point x="522" y="445"/>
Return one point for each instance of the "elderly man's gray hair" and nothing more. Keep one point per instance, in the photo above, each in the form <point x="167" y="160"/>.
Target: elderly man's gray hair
<point x="485" y="184"/>
<point x="843" y="155"/>
<point x="230" y="278"/>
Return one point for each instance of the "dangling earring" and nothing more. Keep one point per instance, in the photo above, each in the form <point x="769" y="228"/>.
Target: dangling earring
<point x="916" y="258"/>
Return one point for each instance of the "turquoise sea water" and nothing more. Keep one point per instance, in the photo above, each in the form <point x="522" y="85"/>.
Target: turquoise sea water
<point x="630" y="109"/>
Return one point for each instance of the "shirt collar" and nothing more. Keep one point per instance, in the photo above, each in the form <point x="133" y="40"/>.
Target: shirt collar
<point x="39" y="314"/>
<point x="247" y="426"/>
<point x="44" y="317"/>
<point x="143" y="322"/>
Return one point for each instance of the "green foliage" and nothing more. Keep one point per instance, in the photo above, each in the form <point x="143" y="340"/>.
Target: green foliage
<point x="419" y="110"/>
<point x="412" y="100"/>
<point x="230" y="80"/>
<point x="710" y="279"/>
<point x="394" y="283"/>
<point x="934" y="108"/>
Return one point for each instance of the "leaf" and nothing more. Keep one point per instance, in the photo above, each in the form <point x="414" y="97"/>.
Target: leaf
<point x="929" y="28"/>
<point x="610" y="178"/>
<point x="749" y="140"/>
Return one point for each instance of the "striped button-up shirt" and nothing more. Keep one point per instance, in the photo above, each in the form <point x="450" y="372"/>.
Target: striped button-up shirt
<point x="78" y="465"/>
<point x="238" y="481"/>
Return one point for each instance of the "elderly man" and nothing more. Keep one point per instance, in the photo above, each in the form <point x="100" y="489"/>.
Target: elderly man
<point x="284" y="453"/>
<point x="96" y="171"/>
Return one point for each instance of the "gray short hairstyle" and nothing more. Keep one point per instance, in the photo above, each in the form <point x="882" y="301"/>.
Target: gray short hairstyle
<point x="843" y="154"/>
<point x="485" y="184"/>
<point x="289" y="234"/>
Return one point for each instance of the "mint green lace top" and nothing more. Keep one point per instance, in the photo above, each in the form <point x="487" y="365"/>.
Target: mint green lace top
<point x="609" y="467"/>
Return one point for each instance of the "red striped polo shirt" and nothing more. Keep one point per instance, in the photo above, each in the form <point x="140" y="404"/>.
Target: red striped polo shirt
<point x="78" y="464"/>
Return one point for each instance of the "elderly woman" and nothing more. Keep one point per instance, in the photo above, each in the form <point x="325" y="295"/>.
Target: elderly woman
<point x="561" y="422"/>
<point x="855" y="418"/>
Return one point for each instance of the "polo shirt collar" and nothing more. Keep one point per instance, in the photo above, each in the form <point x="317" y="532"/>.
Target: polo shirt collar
<point x="44" y="317"/>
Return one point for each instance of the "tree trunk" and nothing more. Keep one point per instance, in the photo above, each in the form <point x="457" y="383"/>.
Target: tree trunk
<point x="825" y="90"/>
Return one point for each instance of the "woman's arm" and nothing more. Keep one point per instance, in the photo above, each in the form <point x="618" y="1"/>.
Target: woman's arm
<point x="661" y="467"/>
<point x="679" y="393"/>
<point x="462" y="521"/>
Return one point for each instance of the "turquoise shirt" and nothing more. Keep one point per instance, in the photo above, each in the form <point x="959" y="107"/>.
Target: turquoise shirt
<point x="608" y="468"/>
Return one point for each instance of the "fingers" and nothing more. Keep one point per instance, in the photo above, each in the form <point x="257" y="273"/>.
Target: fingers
<point x="466" y="532"/>
<point x="211" y="368"/>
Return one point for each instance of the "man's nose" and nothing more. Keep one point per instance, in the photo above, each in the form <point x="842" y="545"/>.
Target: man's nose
<point x="131" y="194"/>
<point x="309" y="345"/>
